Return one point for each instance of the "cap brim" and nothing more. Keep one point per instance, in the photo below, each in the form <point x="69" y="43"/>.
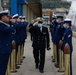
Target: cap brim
<point x="67" y="22"/>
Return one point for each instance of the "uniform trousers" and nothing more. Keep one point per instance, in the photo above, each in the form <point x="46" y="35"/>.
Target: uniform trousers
<point x="57" y="54"/>
<point x="39" y="56"/>
<point x="3" y="63"/>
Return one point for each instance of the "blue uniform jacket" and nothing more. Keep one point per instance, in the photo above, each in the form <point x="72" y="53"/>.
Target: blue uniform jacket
<point x="59" y="32"/>
<point x="17" y="32"/>
<point x="23" y="31"/>
<point x="5" y="38"/>
<point x="68" y="38"/>
<point x="54" y="25"/>
<point x="13" y="34"/>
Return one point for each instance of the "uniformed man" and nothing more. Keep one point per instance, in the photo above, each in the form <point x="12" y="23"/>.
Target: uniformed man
<point x="5" y="41"/>
<point x="17" y="24"/>
<point x="68" y="40"/>
<point x="58" y="35"/>
<point x="53" y="27"/>
<point x="13" y="54"/>
<point x="23" y="33"/>
<point x="40" y="42"/>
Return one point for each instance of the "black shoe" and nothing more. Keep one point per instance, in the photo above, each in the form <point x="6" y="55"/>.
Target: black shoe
<point x="53" y="60"/>
<point x="56" y="65"/>
<point x="17" y="67"/>
<point x="41" y="71"/>
<point x="24" y="57"/>
<point x="37" y="66"/>
<point x="14" y="71"/>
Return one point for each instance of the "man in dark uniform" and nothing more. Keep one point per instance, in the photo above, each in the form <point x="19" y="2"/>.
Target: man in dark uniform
<point x="23" y="33"/>
<point x="17" y="25"/>
<point x="5" y="41"/>
<point x="58" y="35"/>
<point x="53" y="27"/>
<point x="40" y="40"/>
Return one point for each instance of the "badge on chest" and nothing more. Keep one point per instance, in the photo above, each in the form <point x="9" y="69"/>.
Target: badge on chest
<point x="43" y="33"/>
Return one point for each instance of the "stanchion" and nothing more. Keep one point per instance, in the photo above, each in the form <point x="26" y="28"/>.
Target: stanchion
<point x="61" y="68"/>
<point x="67" y="59"/>
<point x="13" y="57"/>
<point x="8" y="67"/>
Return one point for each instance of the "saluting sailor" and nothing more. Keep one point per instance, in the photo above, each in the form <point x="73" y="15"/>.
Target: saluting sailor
<point x="17" y="24"/>
<point x="5" y="41"/>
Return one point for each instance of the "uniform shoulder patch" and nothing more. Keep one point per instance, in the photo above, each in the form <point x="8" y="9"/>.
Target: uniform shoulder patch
<point x="69" y="35"/>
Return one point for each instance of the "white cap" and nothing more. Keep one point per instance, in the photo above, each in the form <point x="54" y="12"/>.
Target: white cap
<point x="20" y="16"/>
<point x="67" y="19"/>
<point x="24" y="17"/>
<point x="54" y="16"/>
<point x="32" y="21"/>
<point x="14" y="16"/>
<point x="38" y="18"/>
<point x="4" y="12"/>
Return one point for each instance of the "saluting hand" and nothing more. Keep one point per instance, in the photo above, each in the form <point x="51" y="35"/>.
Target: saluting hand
<point x="35" y="23"/>
<point x="22" y="20"/>
<point x="18" y="20"/>
<point x="12" y="20"/>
